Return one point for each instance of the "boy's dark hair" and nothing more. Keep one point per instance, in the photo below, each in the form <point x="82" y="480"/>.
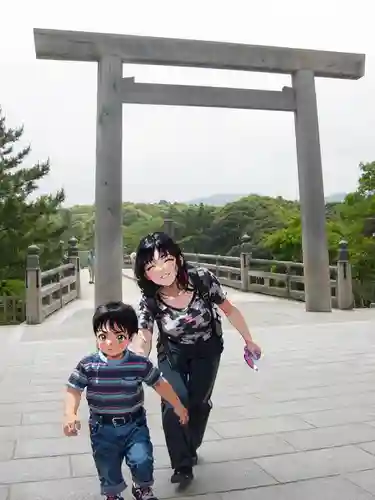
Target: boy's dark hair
<point x="117" y="316"/>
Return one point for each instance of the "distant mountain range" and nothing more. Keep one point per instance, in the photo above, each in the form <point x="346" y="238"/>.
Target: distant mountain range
<point x="336" y="197"/>
<point x="218" y="200"/>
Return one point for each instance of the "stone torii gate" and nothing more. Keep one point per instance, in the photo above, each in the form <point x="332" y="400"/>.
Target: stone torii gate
<point x="111" y="51"/>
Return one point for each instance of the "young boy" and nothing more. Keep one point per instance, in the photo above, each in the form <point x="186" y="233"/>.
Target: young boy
<point x="113" y="379"/>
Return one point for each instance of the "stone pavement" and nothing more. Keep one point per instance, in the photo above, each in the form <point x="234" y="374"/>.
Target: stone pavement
<point x="302" y="427"/>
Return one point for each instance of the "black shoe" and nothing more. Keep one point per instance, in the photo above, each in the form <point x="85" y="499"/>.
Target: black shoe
<point x="143" y="493"/>
<point x="182" y="476"/>
<point x="114" y="497"/>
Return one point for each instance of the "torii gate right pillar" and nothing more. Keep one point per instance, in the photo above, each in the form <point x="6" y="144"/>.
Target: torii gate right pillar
<point x="310" y="179"/>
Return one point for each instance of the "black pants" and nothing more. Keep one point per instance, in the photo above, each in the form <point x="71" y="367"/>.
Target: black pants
<point x="191" y="370"/>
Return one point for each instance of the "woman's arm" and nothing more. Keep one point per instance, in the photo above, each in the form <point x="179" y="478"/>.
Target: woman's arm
<point x="236" y="319"/>
<point x="142" y="343"/>
<point x="234" y="315"/>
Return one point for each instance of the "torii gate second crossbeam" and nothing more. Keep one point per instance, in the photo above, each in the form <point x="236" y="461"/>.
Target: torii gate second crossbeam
<point x="111" y="51"/>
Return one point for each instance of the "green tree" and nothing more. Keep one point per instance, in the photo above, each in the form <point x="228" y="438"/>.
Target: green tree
<point x="357" y="217"/>
<point x="194" y="222"/>
<point x="353" y="220"/>
<point x="366" y="183"/>
<point x="23" y="220"/>
<point x="133" y="234"/>
<point x="286" y="243"/>
<point x="255" y="215"/>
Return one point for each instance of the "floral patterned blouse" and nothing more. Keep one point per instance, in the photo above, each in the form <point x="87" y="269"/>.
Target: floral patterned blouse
<point x="189" y="324"/>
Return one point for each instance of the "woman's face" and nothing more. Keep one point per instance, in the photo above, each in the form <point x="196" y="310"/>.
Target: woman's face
<point x="162" y="270"/>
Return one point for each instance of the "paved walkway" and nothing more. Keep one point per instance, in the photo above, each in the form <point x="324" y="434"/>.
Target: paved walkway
<point x="302" y="427"/>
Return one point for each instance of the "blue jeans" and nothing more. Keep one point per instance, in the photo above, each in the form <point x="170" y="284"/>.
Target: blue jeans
<point x="111" y="444"/>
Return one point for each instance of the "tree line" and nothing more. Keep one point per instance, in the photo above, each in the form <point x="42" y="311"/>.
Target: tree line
<point x="272" y="225"/>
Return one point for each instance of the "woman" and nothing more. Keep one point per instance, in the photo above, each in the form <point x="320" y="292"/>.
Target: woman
<point x="183" y="302"/>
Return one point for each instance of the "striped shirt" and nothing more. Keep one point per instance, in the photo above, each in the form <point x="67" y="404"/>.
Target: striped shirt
<point x="114" y="387"/>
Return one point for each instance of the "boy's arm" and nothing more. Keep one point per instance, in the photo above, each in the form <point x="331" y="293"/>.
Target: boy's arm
<point x="71" y="422"/>
<point x="72" y="401"/>
<point x="76" y="385"/>
<point x="153" y="378"/>
<point x="166" y="392"/>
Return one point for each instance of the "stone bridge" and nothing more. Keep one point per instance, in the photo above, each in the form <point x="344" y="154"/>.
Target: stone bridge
<point x="302" y="427"/>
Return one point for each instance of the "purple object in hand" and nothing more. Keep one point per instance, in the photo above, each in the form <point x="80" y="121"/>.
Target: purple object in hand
<point x="251" y="357"/>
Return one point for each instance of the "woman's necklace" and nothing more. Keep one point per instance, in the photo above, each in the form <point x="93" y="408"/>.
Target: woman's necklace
<point x="172" y="297"/>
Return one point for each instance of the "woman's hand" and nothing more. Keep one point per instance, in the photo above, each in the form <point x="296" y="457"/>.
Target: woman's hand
<point x="254" y="348"/>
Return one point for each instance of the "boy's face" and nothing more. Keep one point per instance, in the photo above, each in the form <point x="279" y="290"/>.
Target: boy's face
<point x="112" y="343"/>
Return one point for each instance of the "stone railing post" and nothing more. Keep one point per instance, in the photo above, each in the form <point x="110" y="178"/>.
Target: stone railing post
<point x="344" y="287"/>
<point x="288" y="282"/>
<point x="62" y="250"/>
<point x="217" y="264"/>
<point x="34" y="314"/>
<point x="74" y="259"/>
<point x="132" y="260"/>
<point x="245" y="267"/>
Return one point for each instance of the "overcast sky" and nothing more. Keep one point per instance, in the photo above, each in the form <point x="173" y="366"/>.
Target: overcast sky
<point x="181" y="153"/>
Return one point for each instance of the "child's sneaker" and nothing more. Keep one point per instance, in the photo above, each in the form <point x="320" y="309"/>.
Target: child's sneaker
<point x="114" y="497"/>
<point x="143" y="493"/>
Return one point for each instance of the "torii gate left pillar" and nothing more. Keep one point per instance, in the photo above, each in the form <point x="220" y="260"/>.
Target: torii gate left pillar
<point x="108" y="182"/>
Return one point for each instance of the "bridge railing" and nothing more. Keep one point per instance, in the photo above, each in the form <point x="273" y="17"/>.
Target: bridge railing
<point x="127" y="262"/>
<point x="12" y="309"/>
<point x="277" y="278"/>
<point x="49" y="291"/>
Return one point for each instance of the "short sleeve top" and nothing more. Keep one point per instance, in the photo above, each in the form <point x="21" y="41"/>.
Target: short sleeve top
<point x="190" y="323"/>
<point x="114" y="386"/>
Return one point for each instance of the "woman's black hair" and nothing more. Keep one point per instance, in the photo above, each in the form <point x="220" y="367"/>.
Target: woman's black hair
<point x="118" y="316"/>
<point x="145" y="254"/>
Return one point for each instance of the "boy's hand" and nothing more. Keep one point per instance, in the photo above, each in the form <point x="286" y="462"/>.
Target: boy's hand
<point x="182" y="413"/>
<point x="71" y="425"/>
<point x="165" y="390"/>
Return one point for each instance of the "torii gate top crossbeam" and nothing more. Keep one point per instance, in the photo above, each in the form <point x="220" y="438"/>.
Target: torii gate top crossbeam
<point x="84" y="46"/>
